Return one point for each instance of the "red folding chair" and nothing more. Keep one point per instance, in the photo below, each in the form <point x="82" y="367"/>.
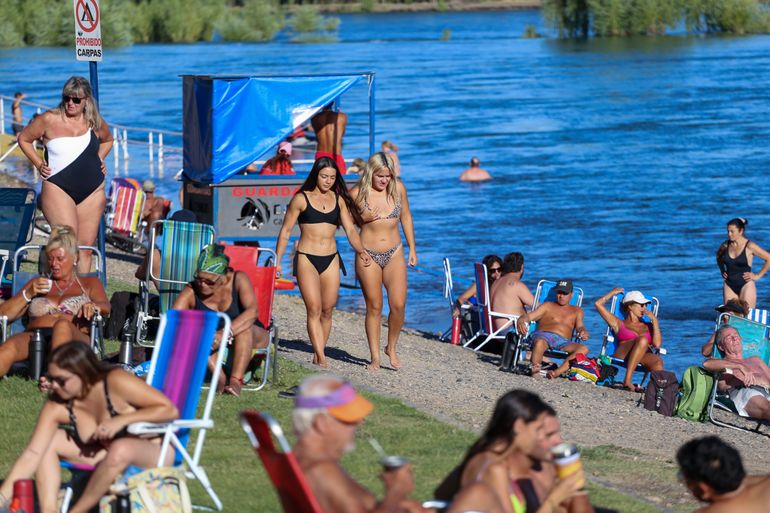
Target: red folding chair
<point x="282" y="467"/>
<point x="246" y="260"/>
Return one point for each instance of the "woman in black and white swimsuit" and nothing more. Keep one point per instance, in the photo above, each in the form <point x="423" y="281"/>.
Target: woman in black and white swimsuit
<point x="77" y="140"/>
<point x="382" y="201"/>
<point x="84" y="421"/>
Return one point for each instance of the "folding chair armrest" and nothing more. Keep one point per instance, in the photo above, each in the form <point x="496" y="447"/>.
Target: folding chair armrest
<point x="144" y="428"/>
<point x="439" y="505"/>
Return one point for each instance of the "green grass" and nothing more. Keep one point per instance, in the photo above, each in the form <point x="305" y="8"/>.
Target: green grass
<point x="237" y="474"/>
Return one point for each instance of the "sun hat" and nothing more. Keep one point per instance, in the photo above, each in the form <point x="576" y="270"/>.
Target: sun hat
<point x="213" y="260"/>
<point x="732" y="305"/>
<point x="284" y="146"/>
<point x="564" y="286"/>
<point x="343" y="403"/>
<point x="148" y="186"/>
<point x="635" y="296"/>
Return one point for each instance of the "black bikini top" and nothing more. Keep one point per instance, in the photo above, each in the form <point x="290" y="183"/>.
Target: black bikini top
<point x="72" y="427"/>
<point x="311" y="215"/>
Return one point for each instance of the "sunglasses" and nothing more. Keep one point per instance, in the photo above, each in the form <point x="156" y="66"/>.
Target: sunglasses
<point x="58" y="380"/>
<point x="76" y="100"/>
<point x="496" y="270"/>
<point x="206" y="281"/>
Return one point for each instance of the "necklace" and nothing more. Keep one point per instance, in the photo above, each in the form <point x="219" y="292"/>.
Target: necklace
<point x="65" y="289"/>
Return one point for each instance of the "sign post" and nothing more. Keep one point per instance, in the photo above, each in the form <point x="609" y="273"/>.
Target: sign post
<point x="88" y="47"/>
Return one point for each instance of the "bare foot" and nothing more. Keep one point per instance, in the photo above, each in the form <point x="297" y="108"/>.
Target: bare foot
<point x="535" y="371"/>
<point x="394" y="361"/>
<point x="44" y="385"/>
<point x="551" y="375"/>
<point x="375" y="365"/>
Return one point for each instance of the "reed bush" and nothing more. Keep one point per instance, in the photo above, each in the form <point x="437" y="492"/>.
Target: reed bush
<point x="255" y="20"/>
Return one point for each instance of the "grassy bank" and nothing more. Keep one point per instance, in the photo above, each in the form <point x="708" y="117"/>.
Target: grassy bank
<point x="238" y="477"/>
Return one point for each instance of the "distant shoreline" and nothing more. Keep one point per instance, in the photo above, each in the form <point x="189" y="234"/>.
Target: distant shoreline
<point x="430" y="6"/>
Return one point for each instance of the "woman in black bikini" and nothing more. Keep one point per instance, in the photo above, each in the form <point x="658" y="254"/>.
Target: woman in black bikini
<point x="77" y="140"/>
<point x="218" y="288"/>
<point x="318" y="210"/>
<point x="734" y="258"/>
<point x="61" y="306"/>
<point x="382" y="201"/>
<point x="84" y="421"/>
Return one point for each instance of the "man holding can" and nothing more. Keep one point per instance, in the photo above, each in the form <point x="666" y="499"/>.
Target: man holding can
<point x="327" y="413"/>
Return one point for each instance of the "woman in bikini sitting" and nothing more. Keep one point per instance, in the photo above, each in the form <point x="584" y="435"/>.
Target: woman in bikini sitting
<point x="734" y="258"/>
<point x="218" y="288"/>
<point x="504" y="454"/>
<point x="320" y="207"/>
<point x="382" y="201"/>
<point x="637" y="333"/>
<point x="494" y="265"/>
<point x="84" y="421"/>
<point x="77" y="140"/>
<point x="61" y="306"/>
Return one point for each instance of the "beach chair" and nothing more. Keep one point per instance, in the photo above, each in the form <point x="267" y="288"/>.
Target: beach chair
<point x="17" y="211"/>
<point x="756" y="342"/>
<point x="179" y="244"/>
<point x="545" y="292"/>
<point x="246" y="259"/>
<point x="282" y="467"/>
<point x="759" y="315"/>
<point x="609" y="343"/>
<point x="486" y="315"/>
<point x="178" y="367"/>
<point x="466" y="311"/>
<point x="123" y="217"/>
<point x="20" y="278"/>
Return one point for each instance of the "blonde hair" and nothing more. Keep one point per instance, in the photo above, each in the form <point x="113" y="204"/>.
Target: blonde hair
<point x="389" y="145"/>
<point x="378" y="162"/>
<point x="62" y="236"/>
<point x="81" y="87"/>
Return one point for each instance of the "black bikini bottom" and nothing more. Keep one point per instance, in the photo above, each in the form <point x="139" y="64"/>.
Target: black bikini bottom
<point x="320" y="262"/>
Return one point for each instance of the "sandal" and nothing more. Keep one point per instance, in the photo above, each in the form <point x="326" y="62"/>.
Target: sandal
<point x="234" y="386"/>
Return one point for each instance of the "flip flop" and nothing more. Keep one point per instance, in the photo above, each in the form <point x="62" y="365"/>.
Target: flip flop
<point x="289" y="392"/>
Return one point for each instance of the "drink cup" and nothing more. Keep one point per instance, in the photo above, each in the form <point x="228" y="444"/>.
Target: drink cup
<point x="566" y="457"/>
<point x="393" y="462"/>
<point x="48" y="285"/>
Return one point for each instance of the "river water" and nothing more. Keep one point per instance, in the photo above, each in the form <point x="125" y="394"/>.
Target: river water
<point x="616" y="162"/>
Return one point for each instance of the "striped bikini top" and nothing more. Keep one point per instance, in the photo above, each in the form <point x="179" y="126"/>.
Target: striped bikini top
<point x="41" y="306"/>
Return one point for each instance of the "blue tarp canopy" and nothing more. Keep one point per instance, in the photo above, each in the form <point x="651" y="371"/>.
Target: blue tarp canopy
<point x="229" y="122"/>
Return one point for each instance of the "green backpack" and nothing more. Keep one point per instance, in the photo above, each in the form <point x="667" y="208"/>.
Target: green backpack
<point x="697" y="384"/>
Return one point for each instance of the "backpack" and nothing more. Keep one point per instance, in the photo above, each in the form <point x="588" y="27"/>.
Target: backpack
<point x="124" y="306"/>
<point x="155" y="490"/>
<point x="661" y="393"/>
<point x="697" y="384"/>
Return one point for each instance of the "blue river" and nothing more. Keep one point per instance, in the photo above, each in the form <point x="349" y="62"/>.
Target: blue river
<point x="616" y="162"/>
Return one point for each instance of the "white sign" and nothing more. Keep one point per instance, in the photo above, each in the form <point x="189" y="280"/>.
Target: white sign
<point x="88" y="30"/>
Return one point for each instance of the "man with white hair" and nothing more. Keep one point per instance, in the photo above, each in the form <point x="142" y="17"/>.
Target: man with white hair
<point x="327" y="412"/>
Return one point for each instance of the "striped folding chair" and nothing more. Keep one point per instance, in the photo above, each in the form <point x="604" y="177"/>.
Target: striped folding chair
<point x="246" y="260"/>
<point x="759" y="315"/>
<point x="178" y="244"/>
<point x="178" y="367"/>
<point x="487" y="316"/>
<point x="123" y="219"/>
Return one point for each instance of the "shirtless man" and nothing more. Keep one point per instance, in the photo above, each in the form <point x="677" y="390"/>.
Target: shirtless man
<point x="508" y="294"/>
<point x="556" y="323"/>
<point x="713" y="472"/>
<point x="329" y="127"/>
<point x="475" y="173"/>
<point x="17" y="121"/>
<point x="153" y="205"/>
<point x="327" y="412"/>
<point x="747" y="381"/>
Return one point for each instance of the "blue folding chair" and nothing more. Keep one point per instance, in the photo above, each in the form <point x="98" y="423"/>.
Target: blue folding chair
<point x="759" y="315"/>
<point x="17" y="210"/>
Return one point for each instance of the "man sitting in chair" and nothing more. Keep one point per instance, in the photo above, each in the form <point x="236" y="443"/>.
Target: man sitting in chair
<point x="556" y="322"/>
<point x="746" y="381"/>
<point x="327" y="412"/>
<point x="509" y="295"/>
<point x="713" y="472"/>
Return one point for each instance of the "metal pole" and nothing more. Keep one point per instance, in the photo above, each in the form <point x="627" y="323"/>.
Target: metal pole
<point x="2" y="116"/>
<point x="149" y="139"/>
<point x="94" y="76"/>
<point x="371" y="113"/>
<point x="116" y="152"/>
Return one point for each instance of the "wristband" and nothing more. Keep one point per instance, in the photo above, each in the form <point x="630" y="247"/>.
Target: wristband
<point x="24" y="295"/>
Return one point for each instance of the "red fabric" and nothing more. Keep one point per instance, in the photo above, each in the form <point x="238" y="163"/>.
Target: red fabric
<point x="277" y="167"/>
<point x="338" y="159"/>
<point x="245" y="259"/>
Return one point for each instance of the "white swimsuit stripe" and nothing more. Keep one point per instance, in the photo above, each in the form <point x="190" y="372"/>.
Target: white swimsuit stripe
<point x="63" y="151"/>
